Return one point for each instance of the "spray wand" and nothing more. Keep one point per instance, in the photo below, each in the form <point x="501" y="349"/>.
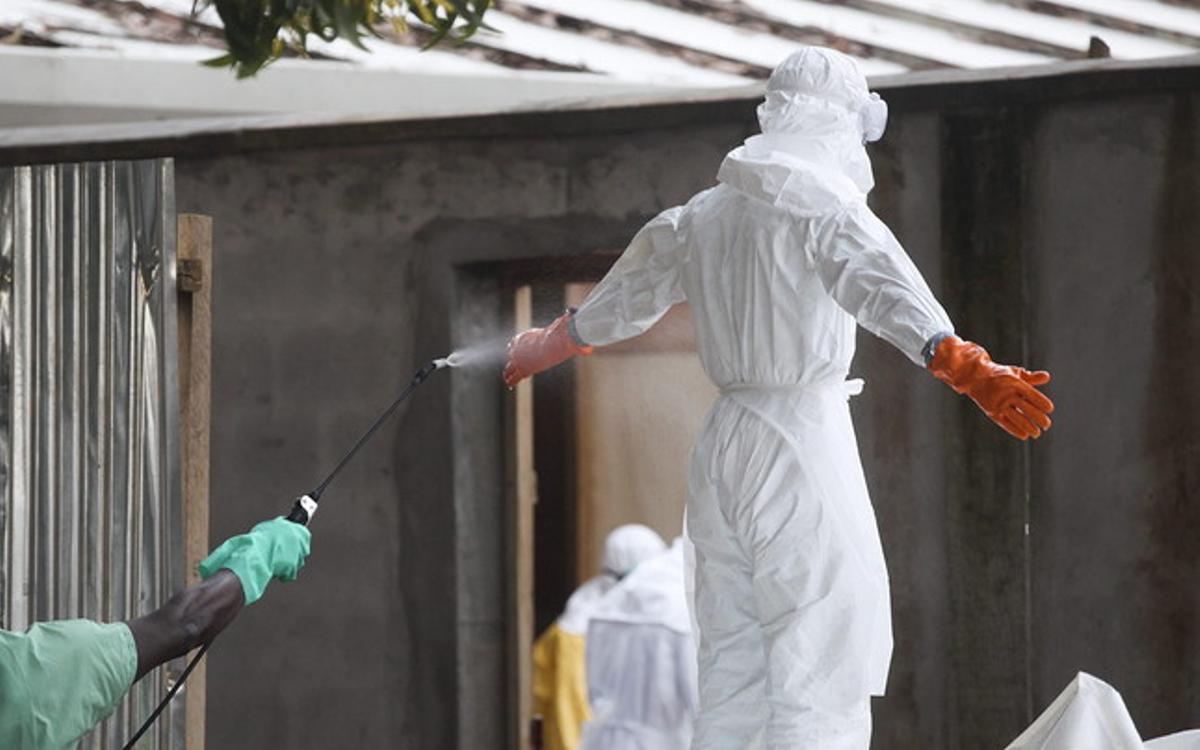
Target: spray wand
<point x="301" y="513"/>
<point x="306" y="505"/>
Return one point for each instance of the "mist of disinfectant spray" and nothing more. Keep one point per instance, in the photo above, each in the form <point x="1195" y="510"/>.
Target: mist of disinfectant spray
<point x="491" y="352"/>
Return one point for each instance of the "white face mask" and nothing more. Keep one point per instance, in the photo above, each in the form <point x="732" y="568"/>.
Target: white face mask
<point x="873" y="118"/>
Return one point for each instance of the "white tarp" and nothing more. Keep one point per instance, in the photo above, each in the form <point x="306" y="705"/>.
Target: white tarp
<point x="1189" y="740"/>
<point x="1091" y="714"/>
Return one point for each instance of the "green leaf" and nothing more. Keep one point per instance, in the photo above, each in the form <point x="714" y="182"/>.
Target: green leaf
<point x="224" y="61"/>
<point x="346" y="20"/>
<point x="258" y="32"/>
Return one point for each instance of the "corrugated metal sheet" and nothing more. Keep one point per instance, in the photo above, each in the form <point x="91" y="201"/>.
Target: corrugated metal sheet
<point x="90" y="510"/>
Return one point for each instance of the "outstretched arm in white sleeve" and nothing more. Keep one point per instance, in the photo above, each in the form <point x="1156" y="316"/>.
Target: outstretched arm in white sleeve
<point x="864" y="268"/>
<point x="639" y="289"/>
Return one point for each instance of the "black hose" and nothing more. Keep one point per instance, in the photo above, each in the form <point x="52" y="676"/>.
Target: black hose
<point x="418" y="378"/>
<point x="170" y="694"/>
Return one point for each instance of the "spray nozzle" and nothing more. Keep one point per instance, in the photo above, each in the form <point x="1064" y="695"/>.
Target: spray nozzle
<point x="431" y="368"/>
<point x="426" y="371"/>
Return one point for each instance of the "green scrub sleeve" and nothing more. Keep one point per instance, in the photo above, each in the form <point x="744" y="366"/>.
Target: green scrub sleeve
<point x="60" y="679"/>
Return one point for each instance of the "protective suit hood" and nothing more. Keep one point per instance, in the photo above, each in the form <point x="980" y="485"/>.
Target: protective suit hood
<point x="766" y="169"/>
<point x="654" y="593"/>
<point x="810" y="158"/>
<point x="627" y="546"/>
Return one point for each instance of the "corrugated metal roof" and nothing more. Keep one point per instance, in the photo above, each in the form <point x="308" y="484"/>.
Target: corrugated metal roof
<point x="674" y="42"/>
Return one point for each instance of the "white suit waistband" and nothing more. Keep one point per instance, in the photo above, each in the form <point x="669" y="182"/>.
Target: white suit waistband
<point x="846" y="388"/>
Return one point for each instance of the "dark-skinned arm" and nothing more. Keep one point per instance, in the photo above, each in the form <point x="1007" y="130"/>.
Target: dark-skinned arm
<point x="192" y="617"/>
<point x="235" y="574"/>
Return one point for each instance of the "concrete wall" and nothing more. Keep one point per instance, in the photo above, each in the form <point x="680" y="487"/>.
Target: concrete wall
<point x="1056" y="214"/>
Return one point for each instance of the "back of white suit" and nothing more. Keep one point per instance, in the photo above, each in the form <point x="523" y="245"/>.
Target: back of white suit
<point x="778" y="262"/>
<point x="641" y="662"/>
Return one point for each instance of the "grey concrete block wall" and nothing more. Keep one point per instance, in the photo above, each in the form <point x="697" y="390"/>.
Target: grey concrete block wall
<point x="1056" y="214"/>
<point x="1115" y="553"/>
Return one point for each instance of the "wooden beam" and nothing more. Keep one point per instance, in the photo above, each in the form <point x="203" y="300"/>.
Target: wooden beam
<point x="522" y="494"/>
<point x="194" y="289"/>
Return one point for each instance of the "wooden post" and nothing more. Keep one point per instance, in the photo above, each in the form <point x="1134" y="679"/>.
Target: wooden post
<point x="194" y="289"/>
<point x="522" y="483"/>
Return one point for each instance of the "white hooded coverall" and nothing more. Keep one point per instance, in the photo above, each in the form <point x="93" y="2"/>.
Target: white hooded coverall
<point x="641" y="661"/>
<point x="778" y="262"/>
<point x="559" y="672"/>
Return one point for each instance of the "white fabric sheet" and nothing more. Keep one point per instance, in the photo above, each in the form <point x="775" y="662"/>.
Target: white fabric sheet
<point x="1091" y="715"/>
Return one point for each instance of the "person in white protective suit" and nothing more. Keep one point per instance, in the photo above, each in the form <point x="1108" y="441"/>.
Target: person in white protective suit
<point x="641" y="661"/>
<point x="560" y="694"/>
<point x="778" y="262"/>
<point x="1090" y="715"/>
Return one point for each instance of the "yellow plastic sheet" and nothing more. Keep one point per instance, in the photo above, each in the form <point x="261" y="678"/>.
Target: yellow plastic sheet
<point x="560" y="687"/>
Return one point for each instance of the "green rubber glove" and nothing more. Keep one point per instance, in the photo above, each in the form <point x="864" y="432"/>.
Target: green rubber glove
<point x="272" y="549"/>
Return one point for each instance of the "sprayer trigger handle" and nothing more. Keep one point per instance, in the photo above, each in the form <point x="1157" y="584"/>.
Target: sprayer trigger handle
<point x="303" y="511"/>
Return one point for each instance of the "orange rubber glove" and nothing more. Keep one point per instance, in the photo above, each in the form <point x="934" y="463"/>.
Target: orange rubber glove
<point x="1006" y="394"/>
<point x="539" y="349"/>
